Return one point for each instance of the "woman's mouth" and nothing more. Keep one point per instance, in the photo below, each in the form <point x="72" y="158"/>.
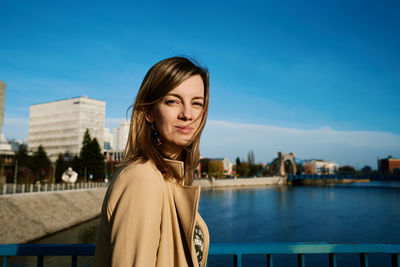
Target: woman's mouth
<point x="184" y="129"/>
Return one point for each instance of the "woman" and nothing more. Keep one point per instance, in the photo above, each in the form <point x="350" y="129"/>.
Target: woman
<point x="149" y="215"/>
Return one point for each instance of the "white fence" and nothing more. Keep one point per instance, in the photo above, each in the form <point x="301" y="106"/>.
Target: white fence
<point x="30" y="188"/>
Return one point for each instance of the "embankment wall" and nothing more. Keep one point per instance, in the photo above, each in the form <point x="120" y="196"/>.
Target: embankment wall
<point x="29" y="216"/>
<point x="318" y="182"/>
<point x="240" y="182"/>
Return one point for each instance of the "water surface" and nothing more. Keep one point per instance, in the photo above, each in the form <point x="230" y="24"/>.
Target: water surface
<point x="353" y="213"/>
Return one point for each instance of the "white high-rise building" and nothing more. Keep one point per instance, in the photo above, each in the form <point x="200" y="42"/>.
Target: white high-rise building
<point x="120" y="136"/>
<point x="59" y="126"/>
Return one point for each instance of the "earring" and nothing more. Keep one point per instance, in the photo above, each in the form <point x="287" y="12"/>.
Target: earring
<point x="155" y="134"/>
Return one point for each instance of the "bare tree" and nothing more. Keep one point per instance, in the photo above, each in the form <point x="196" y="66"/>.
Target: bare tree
<point x="251" y="158"/>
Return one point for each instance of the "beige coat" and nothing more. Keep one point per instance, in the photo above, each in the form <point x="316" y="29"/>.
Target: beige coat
<point x="147" y="221"/>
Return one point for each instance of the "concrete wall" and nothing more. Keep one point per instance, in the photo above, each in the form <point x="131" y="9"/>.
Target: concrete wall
<point x="239" y="182"/>
<point x="29" y="216"/>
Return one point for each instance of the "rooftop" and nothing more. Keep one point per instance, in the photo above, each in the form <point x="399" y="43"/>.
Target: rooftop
<point x="70" y="98"/>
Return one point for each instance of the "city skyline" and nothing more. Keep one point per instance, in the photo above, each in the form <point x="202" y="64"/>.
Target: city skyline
<point x="317" y="79"/>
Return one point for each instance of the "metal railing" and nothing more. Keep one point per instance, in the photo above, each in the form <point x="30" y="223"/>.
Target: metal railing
<point x="237" y="250"/>
<point x="302" y="249"/>
<point x="31" y="188"/>
<point x="324" y="176"/>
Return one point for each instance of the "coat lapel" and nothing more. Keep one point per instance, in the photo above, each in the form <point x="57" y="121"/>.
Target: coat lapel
<point x="186" y="200"/>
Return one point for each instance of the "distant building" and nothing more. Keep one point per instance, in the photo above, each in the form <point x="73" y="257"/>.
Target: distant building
<point x="204" y="163"/>
<point x="2" y="102"/>
<point x="309" y="167"/>
<point x="5" y="144"/>
<point x="108" y="139"/>
<point x="114" y="156"/>
<point x="389" y="164"/>
<point x="7" y="156"/>
<point x="59" y="126"/>
<point x="16" y="143"/>
<point x="120" y="136"/>
<point x="320" y="167"/>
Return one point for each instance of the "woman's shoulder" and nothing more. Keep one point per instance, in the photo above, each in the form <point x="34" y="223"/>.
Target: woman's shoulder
<point x="134" y="183"/>
<point x="134" y="180"/>
<point x="137" y="173"/>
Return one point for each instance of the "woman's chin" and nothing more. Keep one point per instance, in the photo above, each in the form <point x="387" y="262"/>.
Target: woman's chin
<point x="176" y="146"/>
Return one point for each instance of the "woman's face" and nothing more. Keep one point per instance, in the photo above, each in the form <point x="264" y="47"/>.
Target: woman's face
<point x="178" y="115"/>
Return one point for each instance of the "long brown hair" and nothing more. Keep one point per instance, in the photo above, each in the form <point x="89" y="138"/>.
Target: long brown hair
<point x="158" y="82"/>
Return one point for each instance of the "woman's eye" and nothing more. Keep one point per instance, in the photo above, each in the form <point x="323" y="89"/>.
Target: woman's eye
<point x="170" y="102"/>
<point x="198" y="104"/>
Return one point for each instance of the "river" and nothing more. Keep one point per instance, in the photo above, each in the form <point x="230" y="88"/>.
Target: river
<point x="360" y="213"/>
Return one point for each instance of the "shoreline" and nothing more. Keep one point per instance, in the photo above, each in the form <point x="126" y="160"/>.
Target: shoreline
<point x="240" y="182"/>
<point x="269" y="181"/>
<point x="312" y="182"/>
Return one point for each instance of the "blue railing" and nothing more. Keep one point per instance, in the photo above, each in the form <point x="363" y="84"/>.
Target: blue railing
<point x="237" y="250"/>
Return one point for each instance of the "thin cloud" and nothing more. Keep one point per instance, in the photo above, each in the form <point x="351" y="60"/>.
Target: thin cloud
<point x="357" y="148"/>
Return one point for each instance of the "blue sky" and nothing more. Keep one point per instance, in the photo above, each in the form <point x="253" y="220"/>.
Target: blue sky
<point x="327" y="69"/>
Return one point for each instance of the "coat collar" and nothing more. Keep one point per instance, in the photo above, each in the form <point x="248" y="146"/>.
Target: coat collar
<point x="177" y="165"/>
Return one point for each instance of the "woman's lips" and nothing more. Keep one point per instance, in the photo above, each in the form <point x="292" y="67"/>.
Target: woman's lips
<point x="184" y="129"/>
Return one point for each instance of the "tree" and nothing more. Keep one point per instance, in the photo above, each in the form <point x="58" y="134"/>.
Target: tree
<point x="254" y="169"/>
<point x="24" y="163"/>
<point x="85" y="154"/>
<point x="237" y="166"/>
<point x="347" y="170"/>
<point x="23" y="158"/>
<point x="243" y="169"/>
<point x="216" y="168"/>
<point x="366" y="171"/>
<point x="251" y="158"/>
<point x="299" y="168"/>
<point x="268" y="171"/>
<point x="91" y="158"/>
<point x="61" y="165"/>
<point x="237" y="161"/>
<point x="98" y="163"/>
<point x="76" y="165"/>
<point x="41" y="163"/>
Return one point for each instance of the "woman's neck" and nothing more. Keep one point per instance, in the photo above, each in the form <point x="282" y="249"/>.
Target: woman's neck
<point x="174" y="154"/>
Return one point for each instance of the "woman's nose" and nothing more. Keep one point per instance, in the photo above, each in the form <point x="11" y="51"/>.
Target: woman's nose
<point x="186" y="112"/>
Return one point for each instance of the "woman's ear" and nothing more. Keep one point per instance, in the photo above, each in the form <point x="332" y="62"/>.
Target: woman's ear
<point x="149" y="117"/>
